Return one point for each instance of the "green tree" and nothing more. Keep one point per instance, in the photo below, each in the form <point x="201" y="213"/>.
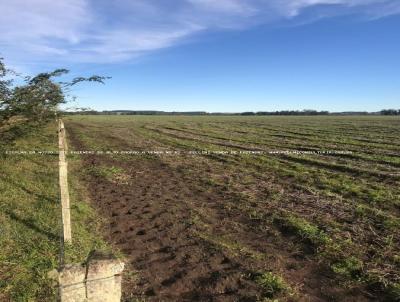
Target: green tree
<point x="39" y="98"/>
<point x="5" y="91"/>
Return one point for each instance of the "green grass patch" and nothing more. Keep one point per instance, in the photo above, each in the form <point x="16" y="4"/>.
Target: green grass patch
<point x="30" y="215"/>
<point x="304" y="229"/>
<point x="271" y="284"/>
<point x="107" y="172"/>
<point x="350" y="267"/>
<point x="110" y="173"/>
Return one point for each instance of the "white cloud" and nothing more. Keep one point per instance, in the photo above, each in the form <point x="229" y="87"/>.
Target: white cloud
<point x="107" y="31"/>
<point x="122" y="44"/>
<point x="41" y="19"/>
<point x="235" y="7"/>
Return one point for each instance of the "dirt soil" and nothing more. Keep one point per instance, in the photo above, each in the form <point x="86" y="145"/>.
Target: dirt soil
<point x="174" y="235"/>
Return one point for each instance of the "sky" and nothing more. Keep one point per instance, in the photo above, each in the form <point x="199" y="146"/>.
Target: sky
<point x="213" y="55"/>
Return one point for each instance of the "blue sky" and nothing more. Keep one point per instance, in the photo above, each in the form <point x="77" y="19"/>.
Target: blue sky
<point x="213" y="55"/>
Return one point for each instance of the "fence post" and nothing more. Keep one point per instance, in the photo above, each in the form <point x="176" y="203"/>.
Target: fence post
<point x="99" y="279"/>
<point x="63" y="178"/>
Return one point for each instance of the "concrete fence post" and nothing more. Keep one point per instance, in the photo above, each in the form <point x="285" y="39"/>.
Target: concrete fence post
<point x="63" y="178"/>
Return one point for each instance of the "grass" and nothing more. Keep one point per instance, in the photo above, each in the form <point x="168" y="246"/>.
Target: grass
<point x="30" y="219"/>
<point x="304" y="229"/>
<point x="111" y="173"/>
<point x="231" y="246"/>
<point x="350" y="267"/>
<point x="271" y="284"/>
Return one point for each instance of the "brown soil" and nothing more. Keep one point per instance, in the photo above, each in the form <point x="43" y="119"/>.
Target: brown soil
<point x="184" y="240"/>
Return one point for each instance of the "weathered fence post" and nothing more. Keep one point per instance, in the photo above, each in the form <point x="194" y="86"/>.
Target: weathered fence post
<point x="65" y="207"/>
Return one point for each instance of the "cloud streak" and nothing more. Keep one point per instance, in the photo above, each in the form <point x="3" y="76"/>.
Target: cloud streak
<point x="110" y="31"/>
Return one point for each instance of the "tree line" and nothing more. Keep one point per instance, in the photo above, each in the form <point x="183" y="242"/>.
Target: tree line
<point x="247" y="113"/>
<point x="390" y="112"/>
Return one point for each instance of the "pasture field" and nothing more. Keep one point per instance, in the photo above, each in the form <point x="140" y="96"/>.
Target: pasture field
<point x="30" y="225"/>
<point x="311" y="213"/>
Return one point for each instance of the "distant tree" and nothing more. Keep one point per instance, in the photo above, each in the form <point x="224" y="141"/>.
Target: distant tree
<point x="390" y="112"/>
<point x="293" y="112"/>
